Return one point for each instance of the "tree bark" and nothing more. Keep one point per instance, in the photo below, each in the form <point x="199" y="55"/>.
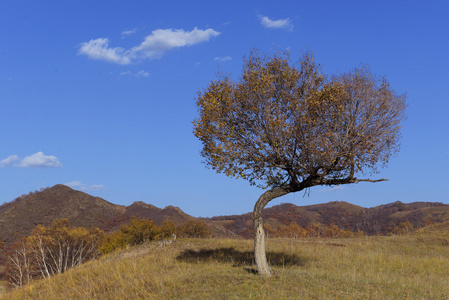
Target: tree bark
<point x="259" y="232"/>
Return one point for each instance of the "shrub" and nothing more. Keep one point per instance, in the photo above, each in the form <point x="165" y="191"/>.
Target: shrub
<point x="112" y="241"/>
<point x="168" y="229"/>
<point x="139" y="231"/>
<point x="194" y="229"/>
<point x="136" y="232"/>
<point x="293" y="230"/>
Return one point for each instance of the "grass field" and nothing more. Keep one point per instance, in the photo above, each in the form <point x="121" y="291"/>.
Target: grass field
<point x="3" y="285"/>
<point x="398" y="267"/>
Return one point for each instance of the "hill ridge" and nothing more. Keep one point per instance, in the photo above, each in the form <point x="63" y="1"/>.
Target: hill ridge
<point x="21" y="215"/>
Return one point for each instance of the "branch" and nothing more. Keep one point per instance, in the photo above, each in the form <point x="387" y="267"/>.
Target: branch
<point x="371" y="180"/>
<point x="349" y="180"/>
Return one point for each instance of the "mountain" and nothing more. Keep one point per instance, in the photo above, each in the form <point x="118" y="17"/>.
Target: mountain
<point x="20" y="216"/>
<point x="158" y="215"/>
<point x="377" y="220"/>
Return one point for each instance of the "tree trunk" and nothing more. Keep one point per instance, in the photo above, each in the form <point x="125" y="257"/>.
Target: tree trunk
<point x="259" y="232"/>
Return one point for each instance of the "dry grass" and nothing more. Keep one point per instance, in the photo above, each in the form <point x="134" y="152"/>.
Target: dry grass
<point x="3" y="287"/>
<point x="398" y="267"/>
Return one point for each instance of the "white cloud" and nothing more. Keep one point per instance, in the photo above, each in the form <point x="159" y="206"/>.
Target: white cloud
<point x="276" y="24"/>
<point x="153" y="47"/>
<point x="36" y="160"/>
<point x="138" y="74"/>
<point x="76" y="184"/>
<point x="99" y="49"/>
<point x="162" y="40"/>
<point x="8" y="161"/>
<point x="225" y="58"/>
<point x="128" y="32"/>
<point x="40" y="160"/>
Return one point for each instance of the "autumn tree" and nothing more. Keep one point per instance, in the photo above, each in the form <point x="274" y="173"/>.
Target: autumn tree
<point x="194" y="229"/>
<point x="52" y="250"/>
<point x="288" y="127"/>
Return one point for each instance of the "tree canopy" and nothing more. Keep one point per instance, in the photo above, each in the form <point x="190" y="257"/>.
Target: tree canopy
<point x="289" y="127"/>
<point x="286" y="124"/>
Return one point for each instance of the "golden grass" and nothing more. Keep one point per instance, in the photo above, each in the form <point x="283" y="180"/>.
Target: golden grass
<point x="397" y="267"/>
<point x="3" y="287"/>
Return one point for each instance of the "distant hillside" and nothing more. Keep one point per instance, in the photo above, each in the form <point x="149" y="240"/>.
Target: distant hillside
<point x="377" y="220"/>
<point x="20" y="216"/>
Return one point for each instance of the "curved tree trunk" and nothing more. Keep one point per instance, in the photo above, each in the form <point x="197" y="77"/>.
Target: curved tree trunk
<point x="259" y="232"/>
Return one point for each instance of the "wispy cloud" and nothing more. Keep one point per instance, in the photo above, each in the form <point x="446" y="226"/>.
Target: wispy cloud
<point x="276" y="24"/>
<point x="36" y="160"/>
<point x="126" y="33"/>
<point x="225" y="58"/>
<point x="99" y="49"/>
<point x="138" y="74"/>
<point x="8" y="161"/>
<point x="76" y="184"/>
<point x="154" y="46"/>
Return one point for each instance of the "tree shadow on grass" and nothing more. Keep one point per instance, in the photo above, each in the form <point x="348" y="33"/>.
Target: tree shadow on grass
<point x="240" y="259"/>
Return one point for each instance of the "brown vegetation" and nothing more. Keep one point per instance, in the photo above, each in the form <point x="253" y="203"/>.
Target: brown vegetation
<point x="51" y="250"/>
<point x="19" y="217"/>
<point x="384" y="219"/>
<point x="55" y="249"/>
<point x="411" y="266"/>
<point x="139" y="231"/>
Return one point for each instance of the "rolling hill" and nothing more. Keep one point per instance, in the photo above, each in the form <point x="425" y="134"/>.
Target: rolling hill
<point x="20" y="216"/>
<point x="376" y="220"/>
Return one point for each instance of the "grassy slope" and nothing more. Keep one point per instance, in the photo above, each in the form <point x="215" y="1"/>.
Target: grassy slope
<point x="403" y="267"/>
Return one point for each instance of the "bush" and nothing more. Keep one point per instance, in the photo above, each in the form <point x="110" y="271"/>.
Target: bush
<point x="136" y="232"/>
<point x="194" y="229"/>
<point x="112" y="241"/>
<point x="168" y="229"/>
<point x="293" y="230"/>
<point x="139" y="231"/>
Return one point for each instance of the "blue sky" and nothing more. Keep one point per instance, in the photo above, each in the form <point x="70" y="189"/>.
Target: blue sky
<point x="99" y="95"/>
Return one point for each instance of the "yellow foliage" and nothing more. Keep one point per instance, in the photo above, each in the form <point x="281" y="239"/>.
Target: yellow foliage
<point x="194" y="229"/>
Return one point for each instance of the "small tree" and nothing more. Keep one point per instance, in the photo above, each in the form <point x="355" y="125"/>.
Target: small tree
<point x="289" y="127"/>
<point x="139" y="231"/>
<point x="136" y="232"/>
<point x="194" y="229"/>
<point x="52" y="250"/>
<point x="168" y="229"/>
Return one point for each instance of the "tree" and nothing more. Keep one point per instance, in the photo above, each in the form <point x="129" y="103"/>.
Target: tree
<point x="136" y="232"/>
<point x="288" y="127"/>
<point x="52" y="250"/>
<point x="139" y="231"/>
<point x="194" y="229"/>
